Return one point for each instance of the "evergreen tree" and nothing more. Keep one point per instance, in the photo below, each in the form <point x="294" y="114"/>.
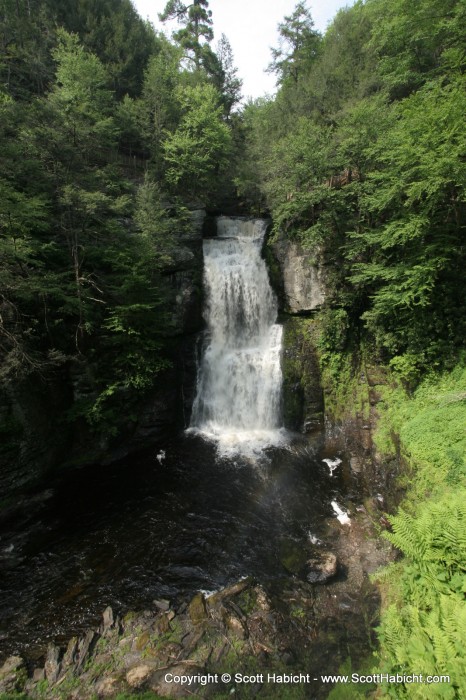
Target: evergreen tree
<point x="198" y="150"/>
<point x="113" y="31"/>
<point x="299" y="45"/>
<point x="228" y="83"/>
<point x="196" y="32"/>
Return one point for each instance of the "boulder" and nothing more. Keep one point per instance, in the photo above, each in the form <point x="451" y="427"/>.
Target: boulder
<point x="138" y="676"/>
<point x="321" y="567"/>
<point x="9" y="674"/>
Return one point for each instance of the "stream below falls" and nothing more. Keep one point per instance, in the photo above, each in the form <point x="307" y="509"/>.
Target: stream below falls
<point x="126" y="534"/>
<point x="229" y="498"/>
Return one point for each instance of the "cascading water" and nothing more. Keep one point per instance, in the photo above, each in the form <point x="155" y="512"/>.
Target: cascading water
<point x="239" y="377"/>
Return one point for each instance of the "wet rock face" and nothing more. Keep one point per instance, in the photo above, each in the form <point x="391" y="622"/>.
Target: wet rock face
<point x="36" y="438"/>
<point x="303" y="281"/>
<point x="31" y="444"/>
<point x="303" y="404"/>
<point x="185" y="276"/>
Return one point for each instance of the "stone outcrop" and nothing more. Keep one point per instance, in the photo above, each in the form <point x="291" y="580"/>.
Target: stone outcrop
<point x="303" y="281"/>
<point x="185" y="275"/>
<point x="321" y="567"/>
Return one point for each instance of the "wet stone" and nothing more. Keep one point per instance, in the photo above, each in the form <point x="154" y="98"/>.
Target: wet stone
<point x="235" y="626"/>
<point x="142" y="641"/>
<point x="69" y="657"/>
<point x="38" y="675"/>
<point x="85" y="647"/>
<point x="108" y="620"/>
<point x="293" y="556"/>
<point x="321" y="567"/>
<point x="162" y="625"/>
<point x="355" y="465"/>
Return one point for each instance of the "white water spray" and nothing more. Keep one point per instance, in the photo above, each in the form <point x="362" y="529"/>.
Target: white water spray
<point x="239" y="378"/>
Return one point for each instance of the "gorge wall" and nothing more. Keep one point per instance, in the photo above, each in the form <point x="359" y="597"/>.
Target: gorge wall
<point x="312" y="397"/>
<point x="39" y="431"/>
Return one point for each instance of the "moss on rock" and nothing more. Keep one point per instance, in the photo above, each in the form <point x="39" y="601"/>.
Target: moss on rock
<point x="302" y="391"/>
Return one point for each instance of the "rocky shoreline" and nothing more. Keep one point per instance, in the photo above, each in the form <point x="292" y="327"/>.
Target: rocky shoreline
<point x="288" y="626"/>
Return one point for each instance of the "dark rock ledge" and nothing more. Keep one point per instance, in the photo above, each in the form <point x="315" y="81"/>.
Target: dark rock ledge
<point x="306" y="621"/>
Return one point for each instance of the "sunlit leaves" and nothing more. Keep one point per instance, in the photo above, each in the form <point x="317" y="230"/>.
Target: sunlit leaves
<point x="199" y="148"/>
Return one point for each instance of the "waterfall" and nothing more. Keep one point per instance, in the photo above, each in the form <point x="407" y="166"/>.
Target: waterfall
<point x="239" y="376"/>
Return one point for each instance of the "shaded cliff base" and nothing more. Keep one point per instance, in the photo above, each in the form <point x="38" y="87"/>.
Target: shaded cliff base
<point x="45" y="419"/>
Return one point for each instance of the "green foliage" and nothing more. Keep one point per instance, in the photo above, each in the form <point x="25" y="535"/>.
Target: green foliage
<point x="226" y="78"/>
<point x="109" y="28"/>
<point x="411" y="39"/>
<point x="349" y="691"/>
<point x="431" y="428"/>
<point x="196" y="31"/>
<point x="406" y="367"/>
<point x="112" y="30"/>
<point x="197" y="152"/>
<point x="299" y="45"/>
<point x="158" y="112"/>
<point x="423" y="628"/>
<point x="361" y="158"/>
<point x="85" y="250"/>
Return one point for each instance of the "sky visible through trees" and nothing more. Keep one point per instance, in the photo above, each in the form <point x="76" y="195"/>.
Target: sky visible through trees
<point x="251" y="28"/>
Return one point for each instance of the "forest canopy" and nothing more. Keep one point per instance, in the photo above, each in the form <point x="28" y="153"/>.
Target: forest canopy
<point x="361" y="158"/>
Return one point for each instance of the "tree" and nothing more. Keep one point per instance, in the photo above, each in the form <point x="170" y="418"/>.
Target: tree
<point x="26" y="36"/>
<point x="228" y="83"/>
<point x="412" y="39"/>
<point x="114" y="32"/>
<point x="160" y="107"/>
<point x="299" y="45"/>
<point x="414" y="257"/>
<point x="198" y="150"/>
<point x="196" y="19"/>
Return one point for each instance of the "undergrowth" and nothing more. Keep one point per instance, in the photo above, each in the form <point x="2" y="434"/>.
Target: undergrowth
<point x="423" y="624"/>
